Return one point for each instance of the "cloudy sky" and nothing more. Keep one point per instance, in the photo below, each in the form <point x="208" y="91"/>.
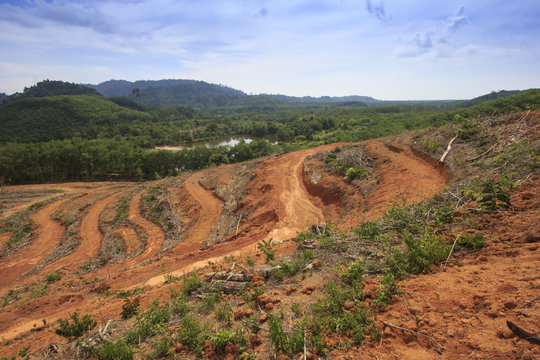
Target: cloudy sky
<point x="388" y="49"/>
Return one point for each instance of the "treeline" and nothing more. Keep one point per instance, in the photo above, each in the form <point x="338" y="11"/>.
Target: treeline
<point x="118" y="148"/>
<point x="104" y="159"/>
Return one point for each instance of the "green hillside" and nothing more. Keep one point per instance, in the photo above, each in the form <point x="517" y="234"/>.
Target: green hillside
<point x="50" y="88"/>
<point x="61" y="117"/>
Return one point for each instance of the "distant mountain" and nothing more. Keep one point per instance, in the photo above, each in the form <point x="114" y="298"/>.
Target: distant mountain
<point x="2" y="97"/>
<point x="334" y="99"/>
<point x="192" y="93"/>
<point x="205" y="96"/>
<point x="491" y="96"/>
<point x="50" y="88"/>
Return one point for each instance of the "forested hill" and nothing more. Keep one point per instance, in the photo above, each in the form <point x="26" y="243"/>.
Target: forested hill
<point x="50" y="88"/>
<point x="62" y="117"/>
<point x="192" y="93"/>
<point x="205" y="96"/>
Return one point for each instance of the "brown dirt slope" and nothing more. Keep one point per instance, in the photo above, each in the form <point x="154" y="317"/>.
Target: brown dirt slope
<point x="462" y="311"/>
<point x="277" y="205"/>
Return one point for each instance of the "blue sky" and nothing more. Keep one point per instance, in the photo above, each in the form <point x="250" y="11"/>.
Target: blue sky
<point x="406" y="49"/>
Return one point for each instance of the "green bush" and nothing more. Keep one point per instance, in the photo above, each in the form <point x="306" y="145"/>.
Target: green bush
<point x="418" y="256"/>
<point x="223" y="336"/>
<point x="76" y="327"/>
<point x="191" y="284"/>
<point x="357" y="172"/>
<point x="495" y="194"/>
<point x="51" y="278"/>
<point x="387" y="289"/>
<point x="472" y="242"/>
<point x="368" y="230"/>
<point x="190" y="334"/>
<point x="113" y="350"/>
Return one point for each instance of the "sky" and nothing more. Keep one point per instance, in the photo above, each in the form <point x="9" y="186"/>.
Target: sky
<point x="390" y="50"/>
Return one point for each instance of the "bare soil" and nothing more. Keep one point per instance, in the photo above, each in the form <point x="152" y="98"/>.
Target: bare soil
<point x="462" y="309"/>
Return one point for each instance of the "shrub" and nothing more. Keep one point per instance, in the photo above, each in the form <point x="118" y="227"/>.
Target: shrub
<point x="225" y="313"/>
<point x="472" y="242"/>
<point x="130" y="307"/>
<point x="357" y="172"/>
<point x="114" y="350"/>
<point x="266" y="247"/>
<point x="368" y="230"/>
<point x="387" y="289"/>
<point x="51" y="278"/>
<point x="423" y="251"/>
<point x="495" y="194"/>
<point x="76" y="327"/>
<point x="190" y="334"/>
<point x="224" y="336"/>
<point x="191" y="284"/>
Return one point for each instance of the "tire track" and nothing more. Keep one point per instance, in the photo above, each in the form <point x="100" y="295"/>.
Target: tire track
<point x="49" y="234"/>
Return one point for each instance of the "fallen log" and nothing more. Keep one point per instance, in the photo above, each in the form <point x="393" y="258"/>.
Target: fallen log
<point x="230" y="286"/>
<point x="227" y="275"/>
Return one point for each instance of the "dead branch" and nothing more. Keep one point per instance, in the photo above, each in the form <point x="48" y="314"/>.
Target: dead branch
<point x="529" y="302"/>
<point x="448" y="148"/>
<point x="441" y="348"/>
<point x="238" y="224"/>
<point x="523" y="334"/>
<point x="483" y="154"/>
<point x="452" y="249"/>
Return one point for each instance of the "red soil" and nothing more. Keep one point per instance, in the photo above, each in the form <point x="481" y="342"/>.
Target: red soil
<point x="277" y="205"/>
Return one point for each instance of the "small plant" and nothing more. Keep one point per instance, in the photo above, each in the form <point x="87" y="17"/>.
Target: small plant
<point x="225" y="314"/>
<point x="190" y="334"/>
<point x="368" y="230"/>
<point x="76" y="327"/>
<point x="495" y="194"/>
<point x="353" y="275"/>
<point x="115" y="350"/>
<point x="357" y="172"/>
<point x="387" y="289"/>
<point x="308" y="255"/>
<point x="295" y="308"/>
<point x="40" y="291"/>
<point x="277" y="336"/>
<point x="224" y="336"/>
<point x="266" y="247"/>
<point x="24" y="352"/>
<point x="51" y="278"/>
<point x="191" y="284"/>
<point x="130" y="307"/>
<point x="472" y="242"/>
<point x="250" y="261"/>
<point x="326" y="242"/>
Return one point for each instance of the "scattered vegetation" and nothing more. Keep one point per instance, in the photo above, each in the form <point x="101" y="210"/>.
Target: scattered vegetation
<point x="75" y="327"/>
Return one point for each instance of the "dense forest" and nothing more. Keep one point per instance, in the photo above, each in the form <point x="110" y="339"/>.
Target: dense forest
<point x="69" y="136"/>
